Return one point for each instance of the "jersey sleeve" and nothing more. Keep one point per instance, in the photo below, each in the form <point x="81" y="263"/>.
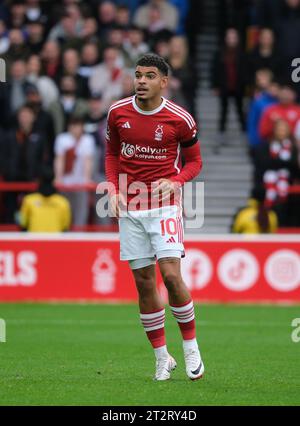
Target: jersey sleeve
<point x="112" y="151"/>
<point x="188" y="133"/>
<point x="190" y="148"/>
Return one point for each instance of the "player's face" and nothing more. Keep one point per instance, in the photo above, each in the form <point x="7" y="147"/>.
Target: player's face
<point x="148" y="82"/>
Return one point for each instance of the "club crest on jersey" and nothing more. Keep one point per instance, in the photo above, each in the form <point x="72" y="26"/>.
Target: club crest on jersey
<point x="159" y="133"/>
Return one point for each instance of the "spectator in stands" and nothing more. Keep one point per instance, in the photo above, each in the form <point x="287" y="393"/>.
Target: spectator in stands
<point x="286" y="109"/>
<point x="228" y="78"/>
<point x="107" y="13"/>
<point x="45" y="210"/>
<point x="70" y="67"/>
<point x="74" y="160"/>
<point x="89" y="59"/>
<point x="45" y="85"/>
<point x="43" y="121"/>
<point x="24" y="148"/>
<point x="24" y="153"/>
<point x="17" y="12"/>
<point x="67" y="105"/>
<point x="263" y="78"/>
<point x="18" y="48"/>
<point x="183" y="79"/>
<point x="161" y="44"/>
<point x="16" y="86"/>
<point x="50" y="77"/>
<point x="255" y="218"/>
<point x="149" y="13"/>
<point x="123" y="16"/>
<point x="156" y="21"/>
<point x="51" y="59"/>
<point x="134" y="45"/>
<point x="131" y="4"/>
<point x="266" y="95"/>
<point x="35" y="30"/>
<point x="115" y="38"/>
<point x="107" y="76"/>
<point x="275" y="164"/>
<point x="95" y="124"/>
<point x="89" y="31"/>
<point x="68" y="29"/>
<point x="264" y="56"/>
<point x="34" y="11"/>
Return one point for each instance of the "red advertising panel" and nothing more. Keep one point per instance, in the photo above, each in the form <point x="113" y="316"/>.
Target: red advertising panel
<point x="87" y="267"/>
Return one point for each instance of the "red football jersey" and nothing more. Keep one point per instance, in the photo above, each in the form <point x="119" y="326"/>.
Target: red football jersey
<point x="289" y="113"/>
<point x="148" y="143"/>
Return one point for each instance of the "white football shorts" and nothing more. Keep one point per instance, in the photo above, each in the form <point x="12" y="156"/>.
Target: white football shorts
<point x="144" y="236"/>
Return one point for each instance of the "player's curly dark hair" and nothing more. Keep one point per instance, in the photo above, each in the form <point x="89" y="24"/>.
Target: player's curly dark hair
<point x="152" y="60"/>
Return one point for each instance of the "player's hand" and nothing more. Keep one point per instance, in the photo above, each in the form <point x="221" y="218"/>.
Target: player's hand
<point x="164" y="188"/>
<point x="116" y="201"/>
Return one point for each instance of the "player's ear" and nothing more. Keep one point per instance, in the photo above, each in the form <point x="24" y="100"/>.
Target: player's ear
<point x="164" y="82"/>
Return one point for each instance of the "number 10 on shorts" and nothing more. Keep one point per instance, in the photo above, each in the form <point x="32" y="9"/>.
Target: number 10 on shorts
<point x="172" y="227"/>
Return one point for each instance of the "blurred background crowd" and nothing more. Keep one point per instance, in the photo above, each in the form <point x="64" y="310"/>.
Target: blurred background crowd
<point x="68" y="61"/>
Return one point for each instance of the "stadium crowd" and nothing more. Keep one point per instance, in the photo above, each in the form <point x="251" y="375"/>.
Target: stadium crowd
<point x="254" y="69"/>
<point x="68" y="61"/>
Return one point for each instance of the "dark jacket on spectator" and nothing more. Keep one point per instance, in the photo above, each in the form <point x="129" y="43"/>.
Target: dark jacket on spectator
<point x="24" y="156"/>
<point x="7" y="113"/>
<point x="220" y="78"/>
<point x="256" y="62"/>
<point x="288" y="30"/>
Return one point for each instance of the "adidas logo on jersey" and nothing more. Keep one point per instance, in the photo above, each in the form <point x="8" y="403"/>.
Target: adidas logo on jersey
<point x="126" y="125"/>
<point x="171" y="240"/>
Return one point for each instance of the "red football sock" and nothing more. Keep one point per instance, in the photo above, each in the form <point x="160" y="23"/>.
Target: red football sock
<point x="185" y="317"/>
<point x="154" y="326"/>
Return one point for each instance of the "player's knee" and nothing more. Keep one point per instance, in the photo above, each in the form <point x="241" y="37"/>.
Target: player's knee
<point x="144" y="285"/>
<point x="173" y="281"/>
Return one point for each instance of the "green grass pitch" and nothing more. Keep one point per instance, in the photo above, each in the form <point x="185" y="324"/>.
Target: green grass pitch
<point x="98" y="355"/>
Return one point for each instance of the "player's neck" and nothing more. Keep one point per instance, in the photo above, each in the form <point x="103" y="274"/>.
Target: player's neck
<point x="149" y="104"/>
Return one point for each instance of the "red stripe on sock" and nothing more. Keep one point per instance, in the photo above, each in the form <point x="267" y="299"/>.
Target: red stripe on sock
<point x="157" y="337"/>
<point x="154" y="323"/>
<point x="183" y="313"/>
<point x="188" y="329"/>
<point x="146" y="320"/>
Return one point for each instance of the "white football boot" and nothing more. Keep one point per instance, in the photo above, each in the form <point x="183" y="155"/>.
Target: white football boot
<point x="193" y="363"/>
<point x="164" y="366"/>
